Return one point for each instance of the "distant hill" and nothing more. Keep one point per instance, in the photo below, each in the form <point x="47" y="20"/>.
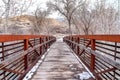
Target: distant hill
<point x="26" y="18"/>
<point x="24" y="23"/>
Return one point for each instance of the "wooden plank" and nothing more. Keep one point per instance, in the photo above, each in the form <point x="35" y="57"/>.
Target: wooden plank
<point x="59" y="64"/>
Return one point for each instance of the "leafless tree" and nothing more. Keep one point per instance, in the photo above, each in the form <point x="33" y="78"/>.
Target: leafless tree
<point x="13" y="8"/>
<point x="100" y="19"/>
<point x="40" y="19"/>
<point x="106" y="16"/>
<point x="7" y="8"/>
<point x="84" y="18"/>
<point x="66" y="8"/>
<point x="76" y="24"/>
<point x="47" y="22"/>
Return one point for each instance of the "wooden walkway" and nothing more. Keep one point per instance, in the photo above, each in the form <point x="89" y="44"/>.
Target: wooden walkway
<point x="59" y="64"/>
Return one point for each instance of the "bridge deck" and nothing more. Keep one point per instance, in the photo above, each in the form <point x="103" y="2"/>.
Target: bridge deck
<point x="59" y="64"/>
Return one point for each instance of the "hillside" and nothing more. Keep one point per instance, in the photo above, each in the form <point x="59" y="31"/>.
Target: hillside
<point x="26" y="18"/>
<point x="25" y="24"/>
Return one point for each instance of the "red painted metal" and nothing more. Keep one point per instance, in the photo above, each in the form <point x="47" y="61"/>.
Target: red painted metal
<point x="103" y="59"/>
<point x="20" y="54"/>
<point x="78" y="41"/>
<point x="111" y="38"/>
<point x="25" y="57"/>
<point x="92" y="56"/>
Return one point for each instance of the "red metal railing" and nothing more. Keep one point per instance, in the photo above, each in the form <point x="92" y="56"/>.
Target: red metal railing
<point x="100" y="53"/>
<point x="19" y="53"/>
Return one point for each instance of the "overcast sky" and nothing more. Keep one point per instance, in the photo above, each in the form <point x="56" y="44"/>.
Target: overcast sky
<point x="42" y="4"/>
<point x="54" y="15"/>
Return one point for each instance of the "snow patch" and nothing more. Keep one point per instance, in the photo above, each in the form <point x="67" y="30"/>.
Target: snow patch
<point x="71" y="65"/>
<point x="84" y="75"/>
<point x="83" y="64"/>
<point x="60" y="39"/>
<point x="43" y="57"/>
<point x="34" y="69"/>
<point x="48" y="50"/>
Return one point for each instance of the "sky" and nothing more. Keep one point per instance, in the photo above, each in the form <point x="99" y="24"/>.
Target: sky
<point x="42" y="4"/>
<point x="55" y="14"/>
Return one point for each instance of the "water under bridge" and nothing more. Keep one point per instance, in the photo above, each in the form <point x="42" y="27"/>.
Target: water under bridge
<point x="75" y="57"/>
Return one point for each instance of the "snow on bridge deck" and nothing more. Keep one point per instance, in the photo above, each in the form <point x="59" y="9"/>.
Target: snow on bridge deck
<point x="61" y="64"/>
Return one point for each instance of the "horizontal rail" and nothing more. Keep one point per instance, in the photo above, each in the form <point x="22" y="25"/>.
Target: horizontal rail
<point x="102" y="57"/>
<point x="19" y="53"/>
<point x="100" y="53"/>
<point x="7" y="38"/>
<point x="112" y="38"/>
<point x="18" y="56"/>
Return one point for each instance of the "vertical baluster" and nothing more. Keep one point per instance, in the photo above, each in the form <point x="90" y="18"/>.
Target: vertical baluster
<point x="40" y="46"/>
<point x="3" y="51"/>
<point x="46" y="43"/>
<point x="25" y="57"/>
<point x="72" y="43"/>
<point x="92" y="56"/>
<point x="78" y="41"/>
<point x="3" y="58"/>
<point x="115" y="54"/>
<point x="49" y="42"/>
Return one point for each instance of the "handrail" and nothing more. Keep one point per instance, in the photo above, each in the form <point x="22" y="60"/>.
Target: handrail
<point x="101" y="56"/>
<point x="18" y="56"/>
<point x="7" y="38"/>
<point x="112" y="38"/>
<point x="19" y="53"/>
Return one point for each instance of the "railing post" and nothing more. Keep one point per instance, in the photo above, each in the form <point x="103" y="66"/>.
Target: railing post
<point x="49" y="42"/>
<point x="40" y="46"/>
<point x="25" y="57"/>
<point x="72" y="43"/>
<point x="92" y="56"/>
<point x="43" y="48"/>
<point x="3" y="56"/>
<point x="46" y="43"/>
<point x="78" y="41"/>
<point x="75" y="45"/>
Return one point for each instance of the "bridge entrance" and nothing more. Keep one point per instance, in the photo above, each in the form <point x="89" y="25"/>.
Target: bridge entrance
<point x="60" y="63"/>
<point x="25" y="57"/>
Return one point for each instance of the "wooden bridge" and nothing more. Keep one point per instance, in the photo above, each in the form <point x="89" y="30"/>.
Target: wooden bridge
<point x="77" y="57"/>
